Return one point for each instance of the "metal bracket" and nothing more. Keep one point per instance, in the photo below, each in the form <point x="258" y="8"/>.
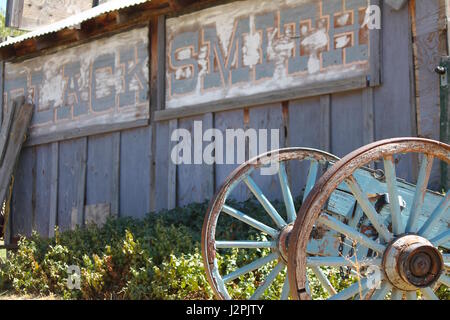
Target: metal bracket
<point x="384" y="200"/>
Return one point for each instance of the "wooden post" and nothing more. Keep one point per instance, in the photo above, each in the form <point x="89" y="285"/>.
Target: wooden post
<point x="157" y="49"/>
<point x="172" y="168"/>
<point x="19" y="128"/>
<point x="12" y="137"/>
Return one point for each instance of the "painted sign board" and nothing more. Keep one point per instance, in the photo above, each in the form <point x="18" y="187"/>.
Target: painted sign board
<point x="258" y="50"/>
<point x="93" y="88"/>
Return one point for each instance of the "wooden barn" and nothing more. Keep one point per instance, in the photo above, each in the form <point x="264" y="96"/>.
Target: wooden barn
<point x="110" y="86"/>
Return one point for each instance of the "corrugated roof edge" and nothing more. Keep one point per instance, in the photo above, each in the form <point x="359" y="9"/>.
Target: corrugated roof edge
<point x="75" y="20"/>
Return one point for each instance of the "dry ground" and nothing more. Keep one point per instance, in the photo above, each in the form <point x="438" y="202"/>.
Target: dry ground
<point x="6" y="296"/>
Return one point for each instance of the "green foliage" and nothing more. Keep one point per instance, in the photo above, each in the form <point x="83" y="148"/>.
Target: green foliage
<point x="443" y="292"/>
<point x="181" y="278"/>
<point x="318" y="292"/>
<point x="157" y="257"/>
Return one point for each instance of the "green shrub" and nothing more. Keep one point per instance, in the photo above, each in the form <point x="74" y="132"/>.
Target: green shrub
<point x="157" y="257"/>
<point x="181" y="278"/>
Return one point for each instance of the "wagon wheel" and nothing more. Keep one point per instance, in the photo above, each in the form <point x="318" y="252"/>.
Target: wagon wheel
<point x="409" y="248"/>
<point x="266" y="238"/>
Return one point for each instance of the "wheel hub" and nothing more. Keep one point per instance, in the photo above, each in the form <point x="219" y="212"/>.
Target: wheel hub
<point x="412" y="262"/>
<point x="283" y="241"/>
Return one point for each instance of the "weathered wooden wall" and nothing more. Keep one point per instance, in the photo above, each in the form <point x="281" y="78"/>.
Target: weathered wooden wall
<point x="89" y="143"/>
<point x="429" y="46"/>
<point x="131" y="172"/>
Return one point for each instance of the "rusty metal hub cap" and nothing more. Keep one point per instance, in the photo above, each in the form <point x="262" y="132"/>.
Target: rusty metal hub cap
<point x="412" y="262"/>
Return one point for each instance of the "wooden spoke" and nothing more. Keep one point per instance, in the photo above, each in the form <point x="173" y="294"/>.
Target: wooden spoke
<point x="267" y="282"/>
<point x="381" y="293"/>
<point x="391" y="180"/>
<point x="445" y="280"/>
<point x="437" y="214"/>
<point x="285" y="290"/>
<point x="287" y="195"/>
<point x="340" y="262"/>
<point x="396" y="294"/>
<point x="312" y="177"/>
<point x="257" y="192"/>
<point x="250" y="267"/>
<point x="411" y="295"/>
<point x="324" y="281"/>
<point x="349" y="292"/>
<point x="421" y="188"/>
<point x="441" y="239"/>
<point x="428" y="294"/>
<point x="250" y="221"/>
<point x="362" y="295"/>
<point x="446" y="258"/>
<point x="368" y="209"/>
<point x="245" y="244"/>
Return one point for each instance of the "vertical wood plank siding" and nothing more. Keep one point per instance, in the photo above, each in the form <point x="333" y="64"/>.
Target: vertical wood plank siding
<point x="394" y="103"/>
<point x="22" y="207"/>
<point x="72" y="177"/>
<point x="135" y="172"/>
<point x="268" y="117"/>
<point x="304" y="127"/>
<point x="100" y="170"/>
<point x="132" y="170"/>
<point x="430" y="45"/>
<point x="43" y="182"/>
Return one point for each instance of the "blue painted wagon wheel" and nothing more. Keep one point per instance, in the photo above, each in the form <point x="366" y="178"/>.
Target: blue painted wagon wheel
<point x="263" y="238"/>
<point x="401" y="231"/>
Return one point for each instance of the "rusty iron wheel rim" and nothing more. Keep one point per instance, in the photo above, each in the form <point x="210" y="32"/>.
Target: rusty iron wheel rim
<point x="340" y="172"/>
<point x="217" y="203"/>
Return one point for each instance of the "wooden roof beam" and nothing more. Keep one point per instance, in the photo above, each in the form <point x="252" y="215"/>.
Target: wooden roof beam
<point x="25" y="47"/>
<point x="62" y="37"/>
<point x="7" y="52"/>
<point x="174" y="5"/>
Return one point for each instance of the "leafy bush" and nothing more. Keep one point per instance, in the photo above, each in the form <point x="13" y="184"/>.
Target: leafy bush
<point x="125" y="259"/>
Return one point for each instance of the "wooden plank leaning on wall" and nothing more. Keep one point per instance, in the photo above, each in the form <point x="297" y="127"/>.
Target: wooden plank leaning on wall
<point x="12" y="138"/>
